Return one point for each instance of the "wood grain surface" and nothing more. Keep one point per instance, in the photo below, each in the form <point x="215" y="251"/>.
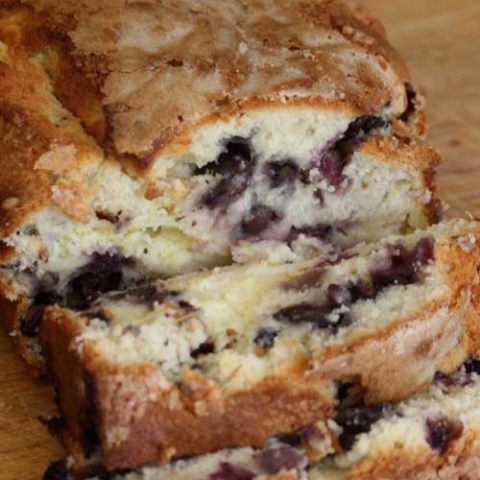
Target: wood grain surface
<point x="440" y="40"/>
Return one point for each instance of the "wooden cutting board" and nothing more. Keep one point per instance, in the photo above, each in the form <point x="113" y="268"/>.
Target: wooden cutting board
<point x="440" y="40"/>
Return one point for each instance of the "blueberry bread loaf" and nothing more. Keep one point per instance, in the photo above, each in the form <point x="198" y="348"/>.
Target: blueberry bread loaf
<point x="226" y="131"/>
<point x="242" y="353"/>
<point x="431" y="436"/>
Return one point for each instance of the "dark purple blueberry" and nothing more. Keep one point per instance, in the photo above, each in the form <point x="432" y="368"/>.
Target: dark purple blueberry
<point x="424" y="253"/>
<point x="235" y="165"/>
<point x="303" y="313"/>
<point x="411" y="103"/>
<point x="184" y="305"/>
<point x="472" y="366"/>
<point x="105" y="261"/>
<point x="332" y="161"/>
<point x="33" y="316"/>
<point x="112" y="218"/>
<point x="274" y="460"/>
<point x="397" y="269"/>
<point x="31" y="320"/>
<point x="320" y="231"/>
<point x="86" y="288"/>
<point x="229" y="471"/>
<point x="258" y="220"/>
<point x="339" y="295"/>
<point x="204" y="348"/>
<point x="316" y="315"/>
<point x="461" y="378"/>
<point x="358" y="420"/>
<point x="281" y="173"/>
<point x="234" y="160"/>
<point x="102" y="274"/>
<point x="360" y="128"/>
<point x="56" y="471"/>
<point x="331" y="168"/>
<point x="441" y="432"/>
<point x="402" y="266"/>
<point x="226" y="191"/>
<point x="266" y="338"/>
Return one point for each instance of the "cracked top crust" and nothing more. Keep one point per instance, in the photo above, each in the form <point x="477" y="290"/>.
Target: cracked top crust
<point x="142" y="74"/>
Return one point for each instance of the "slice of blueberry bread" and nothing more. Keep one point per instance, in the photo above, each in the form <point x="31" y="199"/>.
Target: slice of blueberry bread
<point x="242" y="353"/>
<point x="431" y="436"/>
<point x="125" y="157"/>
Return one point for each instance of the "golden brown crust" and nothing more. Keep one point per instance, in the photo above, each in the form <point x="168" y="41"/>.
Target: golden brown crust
<point x="23" y="138"/>
<point x="34" y="128"/>
<point x="194" y="61"/>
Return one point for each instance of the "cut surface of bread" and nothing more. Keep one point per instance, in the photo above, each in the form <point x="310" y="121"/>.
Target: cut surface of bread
<point x="242" y="353"/>
<point x="431" y="436"/>
<point x="102" y="171"/>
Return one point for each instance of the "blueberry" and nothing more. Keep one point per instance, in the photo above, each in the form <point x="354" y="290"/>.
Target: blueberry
<point x="401" y="267"/>
<point x="346" y="294"/>
<point x="303" y="313"/>
<point x="441" y="432"/>
<point x="258" y="220"/>
<point x="331" y="168"/>
<point x="235" y="160"/>
<point x="321" y="232"/>
<point x="461" y="378"/>
<point x="34" y="315"/>
<point x="235" y="165"/>
<point x="358" y="420"/>
<point x="473" y="366"/>
<point x="332" y="161"/>
<point x="281" y="173"/>
<point x="265" y="338"/>
<point x="102" y="274"/>
<point x="316" y="315"/>
<point x="274" y="460"/>
<point x="107" y="216"/>
<point x="31" y="320"/>
<point x="423" y="254"/>
<point x="229" y="471"/>
<point x="204" y="348"/>
<point x="339" y="295"/>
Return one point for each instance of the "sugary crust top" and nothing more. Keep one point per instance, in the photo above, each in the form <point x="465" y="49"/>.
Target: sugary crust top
<point x="160" y="68"/>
